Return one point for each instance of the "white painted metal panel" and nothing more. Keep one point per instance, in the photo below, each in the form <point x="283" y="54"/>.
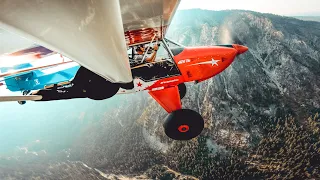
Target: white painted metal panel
<point x="89" y="32"/>
<point x="145" y="19"/>
<point x="10" y="43"/>
<point x="139" y="14"/>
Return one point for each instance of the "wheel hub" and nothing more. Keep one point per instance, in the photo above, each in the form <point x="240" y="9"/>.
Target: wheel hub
<point x="183" y="128"/>
<point x="183" y="124"/>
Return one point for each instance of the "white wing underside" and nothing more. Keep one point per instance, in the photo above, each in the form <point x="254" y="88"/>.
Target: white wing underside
<point x="88" y="32"/>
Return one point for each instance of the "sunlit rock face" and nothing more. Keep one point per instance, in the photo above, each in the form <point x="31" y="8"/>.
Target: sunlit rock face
<point x="278" y="77"/>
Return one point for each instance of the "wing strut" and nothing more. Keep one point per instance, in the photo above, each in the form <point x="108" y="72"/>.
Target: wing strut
<point x="20" y="98"/>
<point x="145" y="53"/>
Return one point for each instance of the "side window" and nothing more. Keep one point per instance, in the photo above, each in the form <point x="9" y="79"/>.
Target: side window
<point x="163" y="54"/>
<point x="154" y="64"/>
<point x="173" y="44"/>
<point x="130" y="54"/>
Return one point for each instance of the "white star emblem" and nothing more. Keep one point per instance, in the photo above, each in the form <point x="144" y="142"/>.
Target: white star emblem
<point x="214" y="62"/>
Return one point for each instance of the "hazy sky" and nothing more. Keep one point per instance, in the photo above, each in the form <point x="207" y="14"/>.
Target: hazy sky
<point x="281" y="7"/>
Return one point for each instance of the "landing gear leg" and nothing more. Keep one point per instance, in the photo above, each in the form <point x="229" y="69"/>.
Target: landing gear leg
<point x="182" y="90"/>
<point x="181" y="124"/>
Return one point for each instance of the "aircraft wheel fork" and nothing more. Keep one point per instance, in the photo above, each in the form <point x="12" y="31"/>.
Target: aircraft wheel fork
<point x="182" y="90"/>
<point x="183" y="124"/>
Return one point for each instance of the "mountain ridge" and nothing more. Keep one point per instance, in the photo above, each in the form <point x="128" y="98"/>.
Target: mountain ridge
<point x="308" y="18"/>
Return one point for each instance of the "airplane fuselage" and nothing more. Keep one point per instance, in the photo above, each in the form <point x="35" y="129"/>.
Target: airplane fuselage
<point x="182" y="64"/>
<point x="195" y="64"/>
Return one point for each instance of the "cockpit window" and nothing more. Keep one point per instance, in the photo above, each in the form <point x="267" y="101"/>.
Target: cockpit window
<point x="151" y="61"/>
<point x="173" y="44"/>
<point x="130" y="52"/>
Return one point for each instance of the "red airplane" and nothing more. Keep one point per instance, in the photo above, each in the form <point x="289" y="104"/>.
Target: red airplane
<point x="151" y="62"/>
